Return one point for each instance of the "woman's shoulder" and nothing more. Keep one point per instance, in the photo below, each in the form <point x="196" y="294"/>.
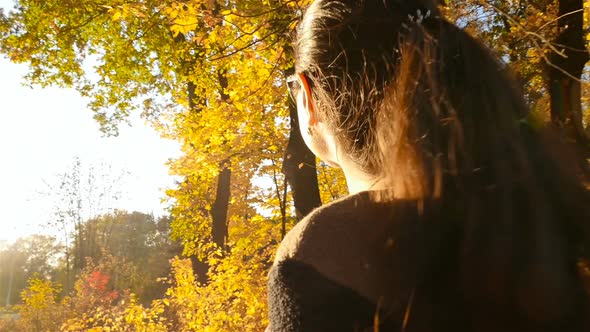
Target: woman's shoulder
<point x="311" y="226"/>
<point x="348" y="222"/>
<point x="354" y="242"/>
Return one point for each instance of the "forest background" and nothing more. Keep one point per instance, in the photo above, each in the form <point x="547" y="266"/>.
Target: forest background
<point x="211" y="75"/>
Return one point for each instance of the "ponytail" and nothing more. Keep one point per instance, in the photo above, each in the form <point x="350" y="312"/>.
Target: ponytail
<point x="418" y="102"/>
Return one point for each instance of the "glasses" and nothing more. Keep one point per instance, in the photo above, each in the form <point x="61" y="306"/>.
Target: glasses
<point x="296" y="82"/>
<point x="293" y="86"/>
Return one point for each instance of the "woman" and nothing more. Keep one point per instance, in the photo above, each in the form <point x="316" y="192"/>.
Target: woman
<point x="458" y="218"/>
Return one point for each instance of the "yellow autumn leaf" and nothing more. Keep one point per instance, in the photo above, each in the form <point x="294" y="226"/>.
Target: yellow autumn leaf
<point x="116" y="15"/>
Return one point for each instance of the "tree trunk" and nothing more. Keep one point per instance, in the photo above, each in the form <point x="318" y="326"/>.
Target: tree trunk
<point x="564" y="75"/>
<point x="565" y="72"/>
<point x="219" y="209"/>
<point x="9" y="290"/>
<point x="67" y="251"/>
<point x="300" y="170"/>
<point x="78" y="247"/>
<point x="200" y="270"/>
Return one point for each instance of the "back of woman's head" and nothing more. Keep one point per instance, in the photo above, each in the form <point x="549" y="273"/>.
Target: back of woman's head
<point x="414" y="100"/>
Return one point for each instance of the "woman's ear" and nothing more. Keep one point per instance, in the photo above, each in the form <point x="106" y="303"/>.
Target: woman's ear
<point x="308" y="102"/>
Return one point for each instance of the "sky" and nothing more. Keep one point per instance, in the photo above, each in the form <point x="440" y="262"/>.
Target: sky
<point x="43" y="130"/>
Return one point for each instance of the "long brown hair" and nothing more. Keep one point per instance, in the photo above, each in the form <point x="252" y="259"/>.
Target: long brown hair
<point x="416" y="101"/>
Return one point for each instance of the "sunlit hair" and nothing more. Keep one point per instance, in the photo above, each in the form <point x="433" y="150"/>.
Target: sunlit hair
<point x="417" y="102"/>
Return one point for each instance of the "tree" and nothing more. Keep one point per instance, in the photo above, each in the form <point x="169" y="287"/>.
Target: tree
<point x="546" y="44"/>
<point x="40" y="310"/>
<point x="136" y="241"/>
<point x="35" y="255"/>
<point x="79" y="194"/>
<point x="12" y="275"/>
<point x="207" y="73"/>
<point x="565" y="66"/>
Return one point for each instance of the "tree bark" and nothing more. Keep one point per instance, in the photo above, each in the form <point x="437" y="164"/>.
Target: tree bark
<point x="300" y="170"/>
<point x="565" y="72"/>
<point x="200" y="268"/>
<point x="219" y="209"/>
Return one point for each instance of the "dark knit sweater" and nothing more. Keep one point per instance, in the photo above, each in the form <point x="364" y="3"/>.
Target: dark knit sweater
<point x="358" y="265"/>
<point x="345" y="267"/>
